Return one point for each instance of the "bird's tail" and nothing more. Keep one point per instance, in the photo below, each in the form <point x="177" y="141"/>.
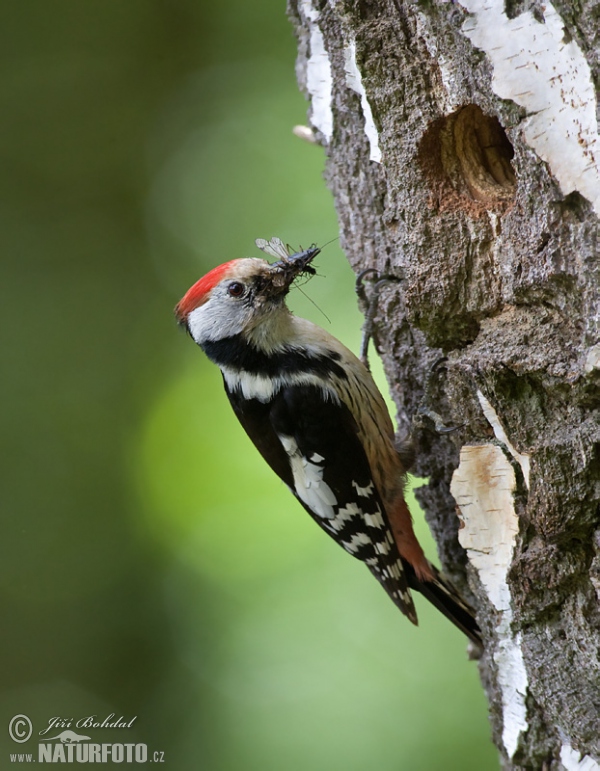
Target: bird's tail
<point x="448" y="601"/>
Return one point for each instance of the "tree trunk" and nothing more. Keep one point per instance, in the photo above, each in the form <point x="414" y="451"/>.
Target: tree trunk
<point x="462" y="151"/>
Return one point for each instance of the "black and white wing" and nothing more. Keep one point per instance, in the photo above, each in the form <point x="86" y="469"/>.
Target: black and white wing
<point x="313" y="446"/>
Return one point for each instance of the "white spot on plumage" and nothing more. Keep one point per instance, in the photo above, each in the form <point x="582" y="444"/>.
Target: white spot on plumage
<point x="383" y="548"/>
<point x="316" y="458"/>
<point x="346" y="514"/>
<point x="395" y="570"/>
<point x="374" y="520"/>
<point x="308" y="481"/>
<point x="364" y="492"/>
<point x="357" y="540"/>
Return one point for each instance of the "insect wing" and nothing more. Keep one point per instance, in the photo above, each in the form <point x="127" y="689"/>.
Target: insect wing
<point x="274" y="248"/>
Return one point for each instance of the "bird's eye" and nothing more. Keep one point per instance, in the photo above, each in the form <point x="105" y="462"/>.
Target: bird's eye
<point x="236" y="289"/>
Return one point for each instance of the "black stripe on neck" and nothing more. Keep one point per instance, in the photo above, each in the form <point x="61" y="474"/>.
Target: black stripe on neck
<point x="238" y="354"/>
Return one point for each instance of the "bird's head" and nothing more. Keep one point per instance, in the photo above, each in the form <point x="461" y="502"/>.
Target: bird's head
<point x="240" y="296"/>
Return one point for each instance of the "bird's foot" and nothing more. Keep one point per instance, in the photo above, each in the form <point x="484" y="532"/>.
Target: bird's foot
<point x="425" y="415"/>
<point x="370" y="299"/>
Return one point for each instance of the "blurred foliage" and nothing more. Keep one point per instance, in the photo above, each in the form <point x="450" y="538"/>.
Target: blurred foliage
<point x="151" y="563"/>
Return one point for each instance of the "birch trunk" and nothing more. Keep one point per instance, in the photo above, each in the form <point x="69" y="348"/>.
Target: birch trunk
<point x="463" y="155"/>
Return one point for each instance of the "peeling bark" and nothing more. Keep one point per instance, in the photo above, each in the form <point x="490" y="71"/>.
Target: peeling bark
<point x="463" y="155"/>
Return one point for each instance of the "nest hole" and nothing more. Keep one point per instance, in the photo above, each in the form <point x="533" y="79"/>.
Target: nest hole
<point x="466" y="157"/>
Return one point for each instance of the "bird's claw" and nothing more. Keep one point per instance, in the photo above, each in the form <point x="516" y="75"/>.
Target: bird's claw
<point x="424" y="411"/>
<point x="371" y="302"/>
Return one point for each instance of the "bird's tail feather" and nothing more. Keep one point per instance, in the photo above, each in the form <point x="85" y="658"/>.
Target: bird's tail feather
<point x="442" y="595"/>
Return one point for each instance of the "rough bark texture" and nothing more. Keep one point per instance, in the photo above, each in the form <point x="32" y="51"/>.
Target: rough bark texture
<point x="441" y="181"/>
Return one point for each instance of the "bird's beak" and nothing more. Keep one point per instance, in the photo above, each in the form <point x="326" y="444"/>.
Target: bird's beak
<point x="286" y="271"/>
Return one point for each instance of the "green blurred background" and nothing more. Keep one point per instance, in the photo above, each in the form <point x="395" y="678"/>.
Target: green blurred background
<point x="152" y="565"/>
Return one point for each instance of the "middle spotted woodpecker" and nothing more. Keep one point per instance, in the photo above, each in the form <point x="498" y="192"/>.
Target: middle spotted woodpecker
<point x="315" y="414"/>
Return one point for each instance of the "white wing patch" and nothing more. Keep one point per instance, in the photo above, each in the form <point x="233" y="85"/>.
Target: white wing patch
<point x="308" y="480"/>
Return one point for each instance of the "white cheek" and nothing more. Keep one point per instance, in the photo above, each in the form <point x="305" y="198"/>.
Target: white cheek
<point x="196" y="324"/>
<point x="216" y="320"/>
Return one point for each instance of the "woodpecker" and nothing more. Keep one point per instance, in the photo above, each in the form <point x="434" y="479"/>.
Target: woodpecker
<point x="315" y="414"/>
